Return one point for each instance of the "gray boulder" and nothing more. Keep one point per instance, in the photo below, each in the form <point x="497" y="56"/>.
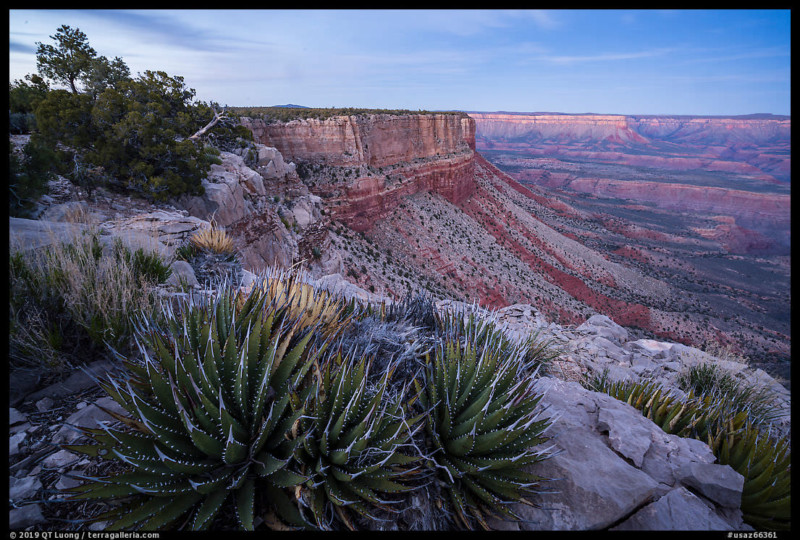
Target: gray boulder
<point x="26" y="234"/>
<point x="678" y="510"/>
<point x="14" y="441"/>
<point x="15" y="417"/>
<point x="336" y="284"/>
<point x="25" y="516"/>
<point x="182" y="273"/>
<point x="80" y="380"/>
<point x="719" y="483"/>
<point x="61" y="459"/>
<point x="609" y="462"/>
<point x="23" y="488"/>
<point x="68" y="211"/>
<point x="159" y="230"/>
<point x="88" y="417"/>
<point x="601" y="325"/>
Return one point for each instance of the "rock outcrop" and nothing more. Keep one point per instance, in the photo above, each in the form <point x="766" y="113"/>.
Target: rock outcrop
<point x="381" y="157"/>
<point x="269" y="213"/>
<point x="610" y="464"/>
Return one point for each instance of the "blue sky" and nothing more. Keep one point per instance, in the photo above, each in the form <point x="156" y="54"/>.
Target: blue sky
<point x="703" y="62"/>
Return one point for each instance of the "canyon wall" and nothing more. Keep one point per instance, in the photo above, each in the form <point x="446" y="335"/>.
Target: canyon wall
<point x="636" y="129"/>
<point x="377" y="140"/>
<point x="752" y="210"/>
<point x="419" y="152"/>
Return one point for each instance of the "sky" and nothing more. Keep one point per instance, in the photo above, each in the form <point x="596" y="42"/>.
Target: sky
<point x="695" y="62"/>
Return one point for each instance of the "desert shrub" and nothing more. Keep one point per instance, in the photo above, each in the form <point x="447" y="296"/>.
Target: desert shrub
<point x="145" y="263"/>
<point x="214" y="240"/>
<point x="72" y="299"/>
<point x="25" y="95"/>
<point x="212" y="255"/>
<point x="28" y="177"/>
<point x="19" y="123"/>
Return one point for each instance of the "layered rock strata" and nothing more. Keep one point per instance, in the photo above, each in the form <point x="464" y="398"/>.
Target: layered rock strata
<point x="639" y="129"/>
<point x="389" y="156"/>
<point x="378" y="140"/>
<point x="752" y="210"/>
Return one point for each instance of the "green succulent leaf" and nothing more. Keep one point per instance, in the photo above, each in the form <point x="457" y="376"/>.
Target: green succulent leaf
<point x="483" y="423"/>
<point x="213" y="411"/>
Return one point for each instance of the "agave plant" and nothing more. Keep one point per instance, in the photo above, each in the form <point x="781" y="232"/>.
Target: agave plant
<point x="764" y="463"/>
<point x="214" y="412"/>
<point x="671" y="414"/>
<point x="468" y="328"/>
<point x="353" y="456"/>
<point x="482" y="426"/>
<point x="305" y="302"/>
<point x="766" y="467"/>
<point x="709" y="379"/>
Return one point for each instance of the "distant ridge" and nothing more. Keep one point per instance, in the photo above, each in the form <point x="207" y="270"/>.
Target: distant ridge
<point x="753" y="116"/>
<point x="290" y="106"/>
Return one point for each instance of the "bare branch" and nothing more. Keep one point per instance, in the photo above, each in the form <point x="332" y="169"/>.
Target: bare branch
<point x="217" y="117"/>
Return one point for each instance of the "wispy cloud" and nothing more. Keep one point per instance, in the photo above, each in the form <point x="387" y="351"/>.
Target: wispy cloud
<point x="171" y="28"/>
<point x="545" y="19"/>
<point x="769" y="52"/>
<point x="606" y="57"/>
<point x="16" y="46"/>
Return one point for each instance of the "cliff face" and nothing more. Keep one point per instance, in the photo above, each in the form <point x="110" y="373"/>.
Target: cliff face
<point x="637" y="129"/>
<point x="377" y="140"/>
<point x="753" y="210"/>
<point x="420" y="152"/>
<point x="554" y="127"/>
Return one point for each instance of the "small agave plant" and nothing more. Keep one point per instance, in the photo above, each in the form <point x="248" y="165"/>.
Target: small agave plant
<point x="482" y="427"/>
<point x="214" y="412"/>
<point x="352" y="456"/>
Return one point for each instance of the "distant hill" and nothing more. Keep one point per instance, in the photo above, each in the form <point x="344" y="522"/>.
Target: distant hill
<point x="290" y="106"/>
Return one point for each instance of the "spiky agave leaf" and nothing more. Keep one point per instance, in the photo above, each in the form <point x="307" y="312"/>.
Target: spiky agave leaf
<point x="213" y="415"/>
<point x="306" y="303"/>
<point x="483" y="425"/>
<point x="354" y="456"/>
<point x="766" y="467"/>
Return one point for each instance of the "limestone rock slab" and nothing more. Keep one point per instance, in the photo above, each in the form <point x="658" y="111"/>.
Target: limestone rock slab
<point x="678" y="510"/>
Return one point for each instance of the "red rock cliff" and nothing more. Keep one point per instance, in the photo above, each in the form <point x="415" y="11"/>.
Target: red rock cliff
<point x="377" y="140"/>
<point x="422" y="152"/>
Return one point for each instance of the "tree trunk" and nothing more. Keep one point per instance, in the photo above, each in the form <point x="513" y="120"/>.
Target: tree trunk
<point x="202" y="131"/>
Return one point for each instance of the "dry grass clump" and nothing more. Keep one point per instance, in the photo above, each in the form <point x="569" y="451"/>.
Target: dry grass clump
<point x="215" y="240"/>
<point x="73" y="298"/>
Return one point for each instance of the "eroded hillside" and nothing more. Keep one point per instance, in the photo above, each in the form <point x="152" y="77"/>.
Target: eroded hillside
<point x="429" y="212"/>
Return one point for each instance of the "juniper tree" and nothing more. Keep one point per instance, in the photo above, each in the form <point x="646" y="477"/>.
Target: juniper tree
<point x="69" y="60"/>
